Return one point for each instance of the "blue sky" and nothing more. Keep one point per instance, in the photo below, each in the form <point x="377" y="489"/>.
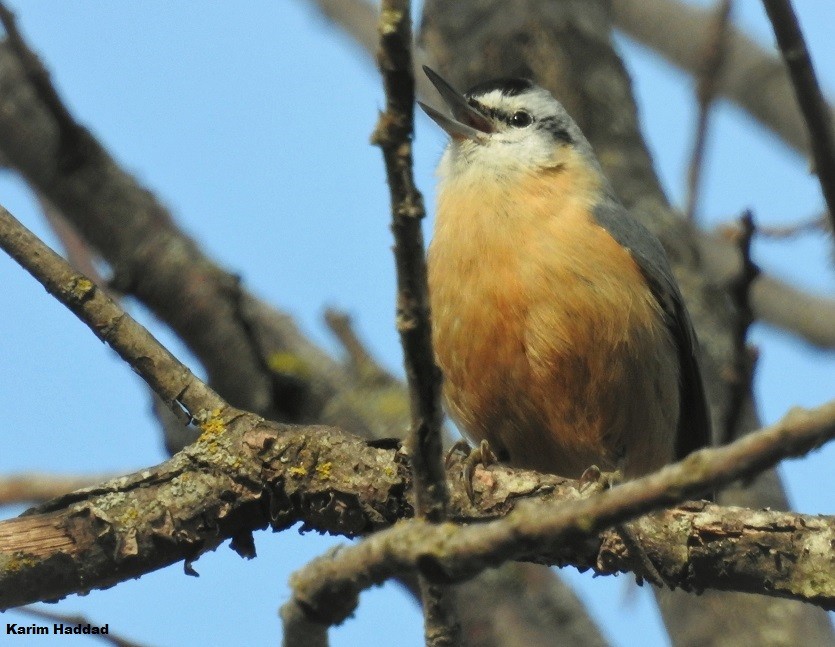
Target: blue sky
<point x="252" y="125"/>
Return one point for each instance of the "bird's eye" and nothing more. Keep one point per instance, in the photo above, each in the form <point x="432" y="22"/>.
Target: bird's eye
<point x="520" y="119"/>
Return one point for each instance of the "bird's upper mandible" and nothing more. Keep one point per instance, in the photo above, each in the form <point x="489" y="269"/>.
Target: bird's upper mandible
<point x="558" y="324"/>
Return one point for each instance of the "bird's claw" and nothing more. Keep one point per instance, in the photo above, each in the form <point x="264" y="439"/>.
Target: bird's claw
<point x="482" y="455"/>
<point x="594" y="481"/>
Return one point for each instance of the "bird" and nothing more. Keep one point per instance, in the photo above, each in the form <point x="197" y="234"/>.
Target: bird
<point x="558" y="325"/>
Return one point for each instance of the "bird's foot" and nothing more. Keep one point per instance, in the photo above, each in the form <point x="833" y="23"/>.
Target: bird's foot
<point x="481" y="455"/>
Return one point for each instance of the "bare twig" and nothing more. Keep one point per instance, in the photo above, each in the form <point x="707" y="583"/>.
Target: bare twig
<point x="448" y="553"/>
<point x="815" y="110"/>
<point x="811" y="317"/>
<point x="77" y="250"/>
<point x="35" y="487"/>
<point x="178" y="387"/>
<point x="706" y="84"/>
<point x="816" y="224"/>
<point x="393" y="135"/>
<point x="364" y="366"/>
<point x="741" y="372"/>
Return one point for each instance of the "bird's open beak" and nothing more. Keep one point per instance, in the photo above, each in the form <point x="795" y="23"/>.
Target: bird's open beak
<point x="466" y="121"/>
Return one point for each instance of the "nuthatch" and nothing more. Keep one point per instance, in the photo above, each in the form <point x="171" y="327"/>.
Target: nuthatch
<point x="558" y="324"/>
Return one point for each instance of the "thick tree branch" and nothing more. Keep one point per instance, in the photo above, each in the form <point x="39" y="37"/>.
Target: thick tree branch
<point x="245" y="473"/>
<point x="329" y="586"/>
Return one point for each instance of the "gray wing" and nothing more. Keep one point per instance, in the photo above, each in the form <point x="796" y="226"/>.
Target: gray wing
<point x="694" y="427"/>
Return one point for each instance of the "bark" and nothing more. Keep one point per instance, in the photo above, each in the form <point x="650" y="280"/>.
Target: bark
<point x="246" y="474"/>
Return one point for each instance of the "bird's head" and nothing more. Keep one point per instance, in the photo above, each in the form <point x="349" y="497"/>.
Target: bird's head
<point x="505" y="127"/>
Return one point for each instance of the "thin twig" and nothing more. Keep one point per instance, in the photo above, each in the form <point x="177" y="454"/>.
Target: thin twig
<point x="169" y="378"/>
<point x="741" y="373"/>
<point x="707" y="84"/>
<point x="393" y="134"/>
<point x="449" y="553"/>
<point x="809" y="96"/>
<point x="817" y="224"/>
<point x="363" y="365"/>
<point x="35" y="487"/>
<point x="77" y="250"/>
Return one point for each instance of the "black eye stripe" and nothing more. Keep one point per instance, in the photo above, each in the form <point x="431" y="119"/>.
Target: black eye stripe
<point x="552" y="124"/>
<point x="499" y="115"/>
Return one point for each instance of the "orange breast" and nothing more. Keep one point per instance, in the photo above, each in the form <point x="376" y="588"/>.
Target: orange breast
<point x="552" y="346"/>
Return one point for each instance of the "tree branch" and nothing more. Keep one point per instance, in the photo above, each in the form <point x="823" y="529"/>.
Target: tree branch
<point x="150" y="257"/>
<point x="772" y="300"/>
<point x="165" y="374"/>
<point x="225" y="326"/>
<point x="328" y="587"/>
<point x="30" y="487"/>
<point x="753" y="78"/>
<point x="707" y="79"/>
<point x="255" y="473"/>
<point x="816" y="113"/>
<point x="394" y="134"/>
